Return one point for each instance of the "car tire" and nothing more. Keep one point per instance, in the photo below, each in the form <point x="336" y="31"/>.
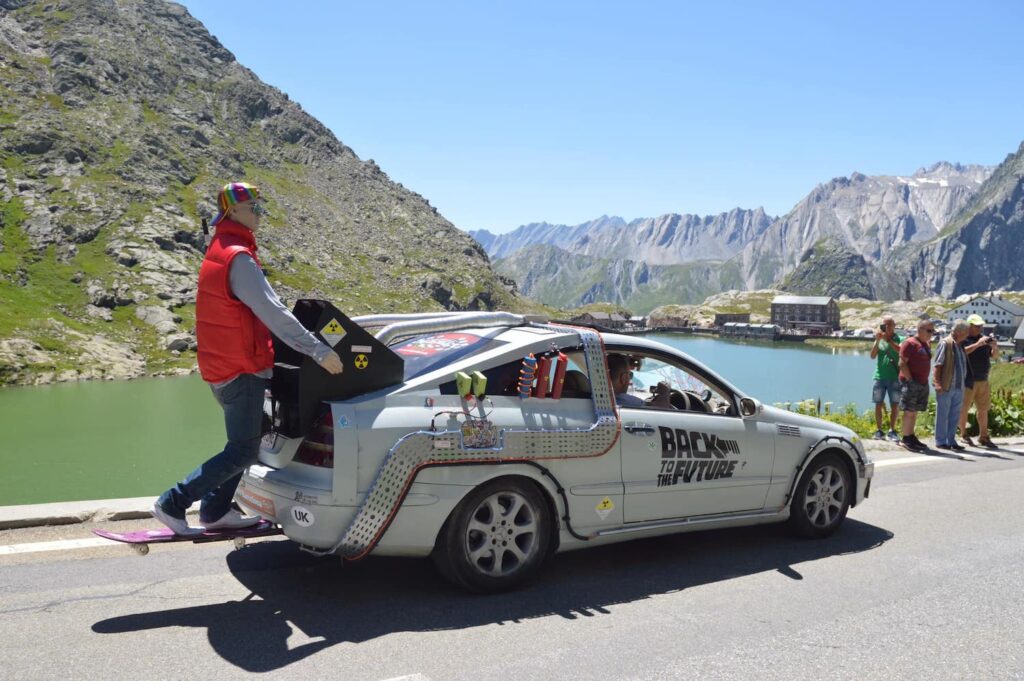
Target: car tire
<point x="496" y="538"/>
<point x="822" y="497"/>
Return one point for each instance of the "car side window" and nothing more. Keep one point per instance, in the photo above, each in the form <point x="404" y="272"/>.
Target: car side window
<point x="689" y="390"/>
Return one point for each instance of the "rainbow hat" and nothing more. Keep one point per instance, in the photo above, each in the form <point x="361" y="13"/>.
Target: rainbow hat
<point x="232" y="193"/>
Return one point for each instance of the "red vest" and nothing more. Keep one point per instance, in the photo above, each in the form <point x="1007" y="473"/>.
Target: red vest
<point x="231" y="339"/>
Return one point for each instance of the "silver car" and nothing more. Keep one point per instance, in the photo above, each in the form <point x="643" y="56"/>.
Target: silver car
<point x="489" y="441"/>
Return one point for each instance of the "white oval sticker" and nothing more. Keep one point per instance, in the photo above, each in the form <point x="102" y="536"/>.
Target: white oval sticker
<point x="302" y="516"/>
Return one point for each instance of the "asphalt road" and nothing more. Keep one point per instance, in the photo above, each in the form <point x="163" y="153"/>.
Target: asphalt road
<point x="925" y="581"/>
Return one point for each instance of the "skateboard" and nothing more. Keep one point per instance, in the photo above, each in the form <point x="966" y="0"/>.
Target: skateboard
<point x="139" y="540"/>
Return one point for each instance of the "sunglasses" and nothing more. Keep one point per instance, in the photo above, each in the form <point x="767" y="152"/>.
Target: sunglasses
<point x="929" y="330"/>
<point x="258" y="208"/>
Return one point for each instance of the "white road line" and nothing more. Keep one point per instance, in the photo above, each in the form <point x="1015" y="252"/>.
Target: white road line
<point x="906" y="460"/>
<point x="409" y="677"/>
<point x="64" y="545"/>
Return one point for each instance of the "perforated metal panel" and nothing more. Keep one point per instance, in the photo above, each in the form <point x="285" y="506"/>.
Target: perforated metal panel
<point x="416" y="450"/>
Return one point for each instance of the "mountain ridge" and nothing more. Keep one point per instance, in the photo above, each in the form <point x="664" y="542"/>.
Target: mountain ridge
<point x="121" y="121"/>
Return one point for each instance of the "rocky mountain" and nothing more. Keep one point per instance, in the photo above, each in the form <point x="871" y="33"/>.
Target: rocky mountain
<point x="869" y="216"/>
<point x="981" y="248"/>
<point x="666" y="240"/>
<point x="830" y="268"/>
<point x="557" y="277"/>
<point x="120" y="119"/>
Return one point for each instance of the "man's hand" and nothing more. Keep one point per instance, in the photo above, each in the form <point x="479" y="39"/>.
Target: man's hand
<point x="332" y="363"/>
<point x="662" y="395"/>
<point x="879" y="335"/>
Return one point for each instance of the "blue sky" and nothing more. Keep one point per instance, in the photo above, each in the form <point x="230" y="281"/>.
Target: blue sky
<point x="506" y="113"/>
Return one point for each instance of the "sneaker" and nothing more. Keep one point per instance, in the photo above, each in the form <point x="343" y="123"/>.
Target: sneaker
<point x="920" y="445"/>
<point x="967" y="439"/>
<point x="179" y="526"/>
<point x="232" y="520"/>
<point x="957" y="448"/>
<point x="878" y="435"/>
<point x="893" y="436"/>
<point x="908" y="444"/>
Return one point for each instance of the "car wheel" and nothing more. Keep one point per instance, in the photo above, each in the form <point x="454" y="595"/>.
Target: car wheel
<point x="822" y="497"/>
<point x="496" y="538"/>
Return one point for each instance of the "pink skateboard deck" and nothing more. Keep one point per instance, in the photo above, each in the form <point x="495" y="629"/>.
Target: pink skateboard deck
<point x="140" y="539"/>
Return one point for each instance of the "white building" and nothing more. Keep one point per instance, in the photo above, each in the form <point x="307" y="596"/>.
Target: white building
<point x="1004" y="315"/>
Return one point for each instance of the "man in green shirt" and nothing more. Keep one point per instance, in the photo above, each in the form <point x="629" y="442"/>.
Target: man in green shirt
<point x="886" y="352"/>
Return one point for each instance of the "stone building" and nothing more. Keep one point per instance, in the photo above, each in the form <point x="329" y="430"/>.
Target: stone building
<point x="721" y="319"/>
<point x="820" y="313"/>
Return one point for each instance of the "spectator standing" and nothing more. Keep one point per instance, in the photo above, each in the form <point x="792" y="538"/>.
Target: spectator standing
<point x="915" y="363"/>
<point x="948" y="380"/>
<point x="980" y="351"/>
<point x="886" y="353"/>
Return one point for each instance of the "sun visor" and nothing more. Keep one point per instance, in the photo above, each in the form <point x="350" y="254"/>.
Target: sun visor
<point x="300" y="385"/>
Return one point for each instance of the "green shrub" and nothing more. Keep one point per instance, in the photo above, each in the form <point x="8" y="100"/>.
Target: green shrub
<point x="1006" y="417"/>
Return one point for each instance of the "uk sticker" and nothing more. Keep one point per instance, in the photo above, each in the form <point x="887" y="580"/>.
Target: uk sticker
<point x="333" y="332"/>
<point x="604" y="508"/>
<point x="361" y="361"/>
<point x="302" y="516"/>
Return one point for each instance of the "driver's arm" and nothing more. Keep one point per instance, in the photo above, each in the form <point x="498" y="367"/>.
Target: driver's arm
<point x="662" y="395"/>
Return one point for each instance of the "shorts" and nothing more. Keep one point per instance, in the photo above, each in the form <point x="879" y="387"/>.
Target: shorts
<point x="913" y="396"/>
<point x="980" y="394"/>
<point x="881" y="388"/>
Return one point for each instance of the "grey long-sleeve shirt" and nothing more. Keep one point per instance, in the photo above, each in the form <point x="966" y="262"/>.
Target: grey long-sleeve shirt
<point x="251" y="287"/>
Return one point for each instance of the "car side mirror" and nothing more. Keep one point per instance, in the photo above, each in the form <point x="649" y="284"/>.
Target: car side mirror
<point x="749" y="406"/>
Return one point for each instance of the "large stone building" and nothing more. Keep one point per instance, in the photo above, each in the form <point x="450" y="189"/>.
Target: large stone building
<point x="1002" y="315"/>
<point x="818" y="313"/>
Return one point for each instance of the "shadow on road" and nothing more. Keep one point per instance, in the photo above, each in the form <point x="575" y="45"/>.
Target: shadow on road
<point x="381" y="596"/>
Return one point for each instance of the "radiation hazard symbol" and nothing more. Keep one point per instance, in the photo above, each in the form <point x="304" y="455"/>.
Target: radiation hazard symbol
<point x="361" y="362"/>
<point x="333" y="332"/>
<point x="604" y="508"/>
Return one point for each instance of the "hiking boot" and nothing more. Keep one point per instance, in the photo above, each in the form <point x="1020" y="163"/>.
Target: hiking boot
<point x="232" y="520"/>
<point x="179" y="526"/>
<point x="878" y="435"/>
<point x="893" y="436"/>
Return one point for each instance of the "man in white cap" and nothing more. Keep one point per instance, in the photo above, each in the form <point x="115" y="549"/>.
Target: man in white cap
<point x="981" y="350"/>
<point x="236" y="311"/>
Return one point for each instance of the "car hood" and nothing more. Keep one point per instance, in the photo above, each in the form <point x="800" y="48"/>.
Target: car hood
<point x="776" y="415"/>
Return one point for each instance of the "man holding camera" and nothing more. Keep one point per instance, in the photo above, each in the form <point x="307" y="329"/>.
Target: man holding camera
<point x="886" y="353"/>
<point x="981" y="350"/>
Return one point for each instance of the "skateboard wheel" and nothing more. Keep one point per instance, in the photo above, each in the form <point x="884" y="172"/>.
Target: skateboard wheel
<point x="141" y="549"/>
<point x="239" y="542"/>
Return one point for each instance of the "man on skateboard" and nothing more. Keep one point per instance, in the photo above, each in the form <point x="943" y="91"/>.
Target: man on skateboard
<point x="236" y="309"/>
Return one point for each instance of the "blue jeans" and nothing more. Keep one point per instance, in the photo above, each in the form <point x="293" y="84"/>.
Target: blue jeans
<point x="214" y="482"/>
<point x="947" y="414"/>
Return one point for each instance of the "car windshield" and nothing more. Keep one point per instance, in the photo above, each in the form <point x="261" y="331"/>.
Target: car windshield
<point x="423" y="354"/>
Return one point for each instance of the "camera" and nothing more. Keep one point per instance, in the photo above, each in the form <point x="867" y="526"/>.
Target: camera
<point x="882" y="327"/>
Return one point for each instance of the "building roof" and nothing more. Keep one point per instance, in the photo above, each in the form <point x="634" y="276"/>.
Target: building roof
<point x="1007" y="305"/>
<point x="801" y="300"/>
<point x="1020" y="332"/>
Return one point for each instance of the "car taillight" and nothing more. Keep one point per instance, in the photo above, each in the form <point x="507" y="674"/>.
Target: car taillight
<point x="318" y="447"/>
